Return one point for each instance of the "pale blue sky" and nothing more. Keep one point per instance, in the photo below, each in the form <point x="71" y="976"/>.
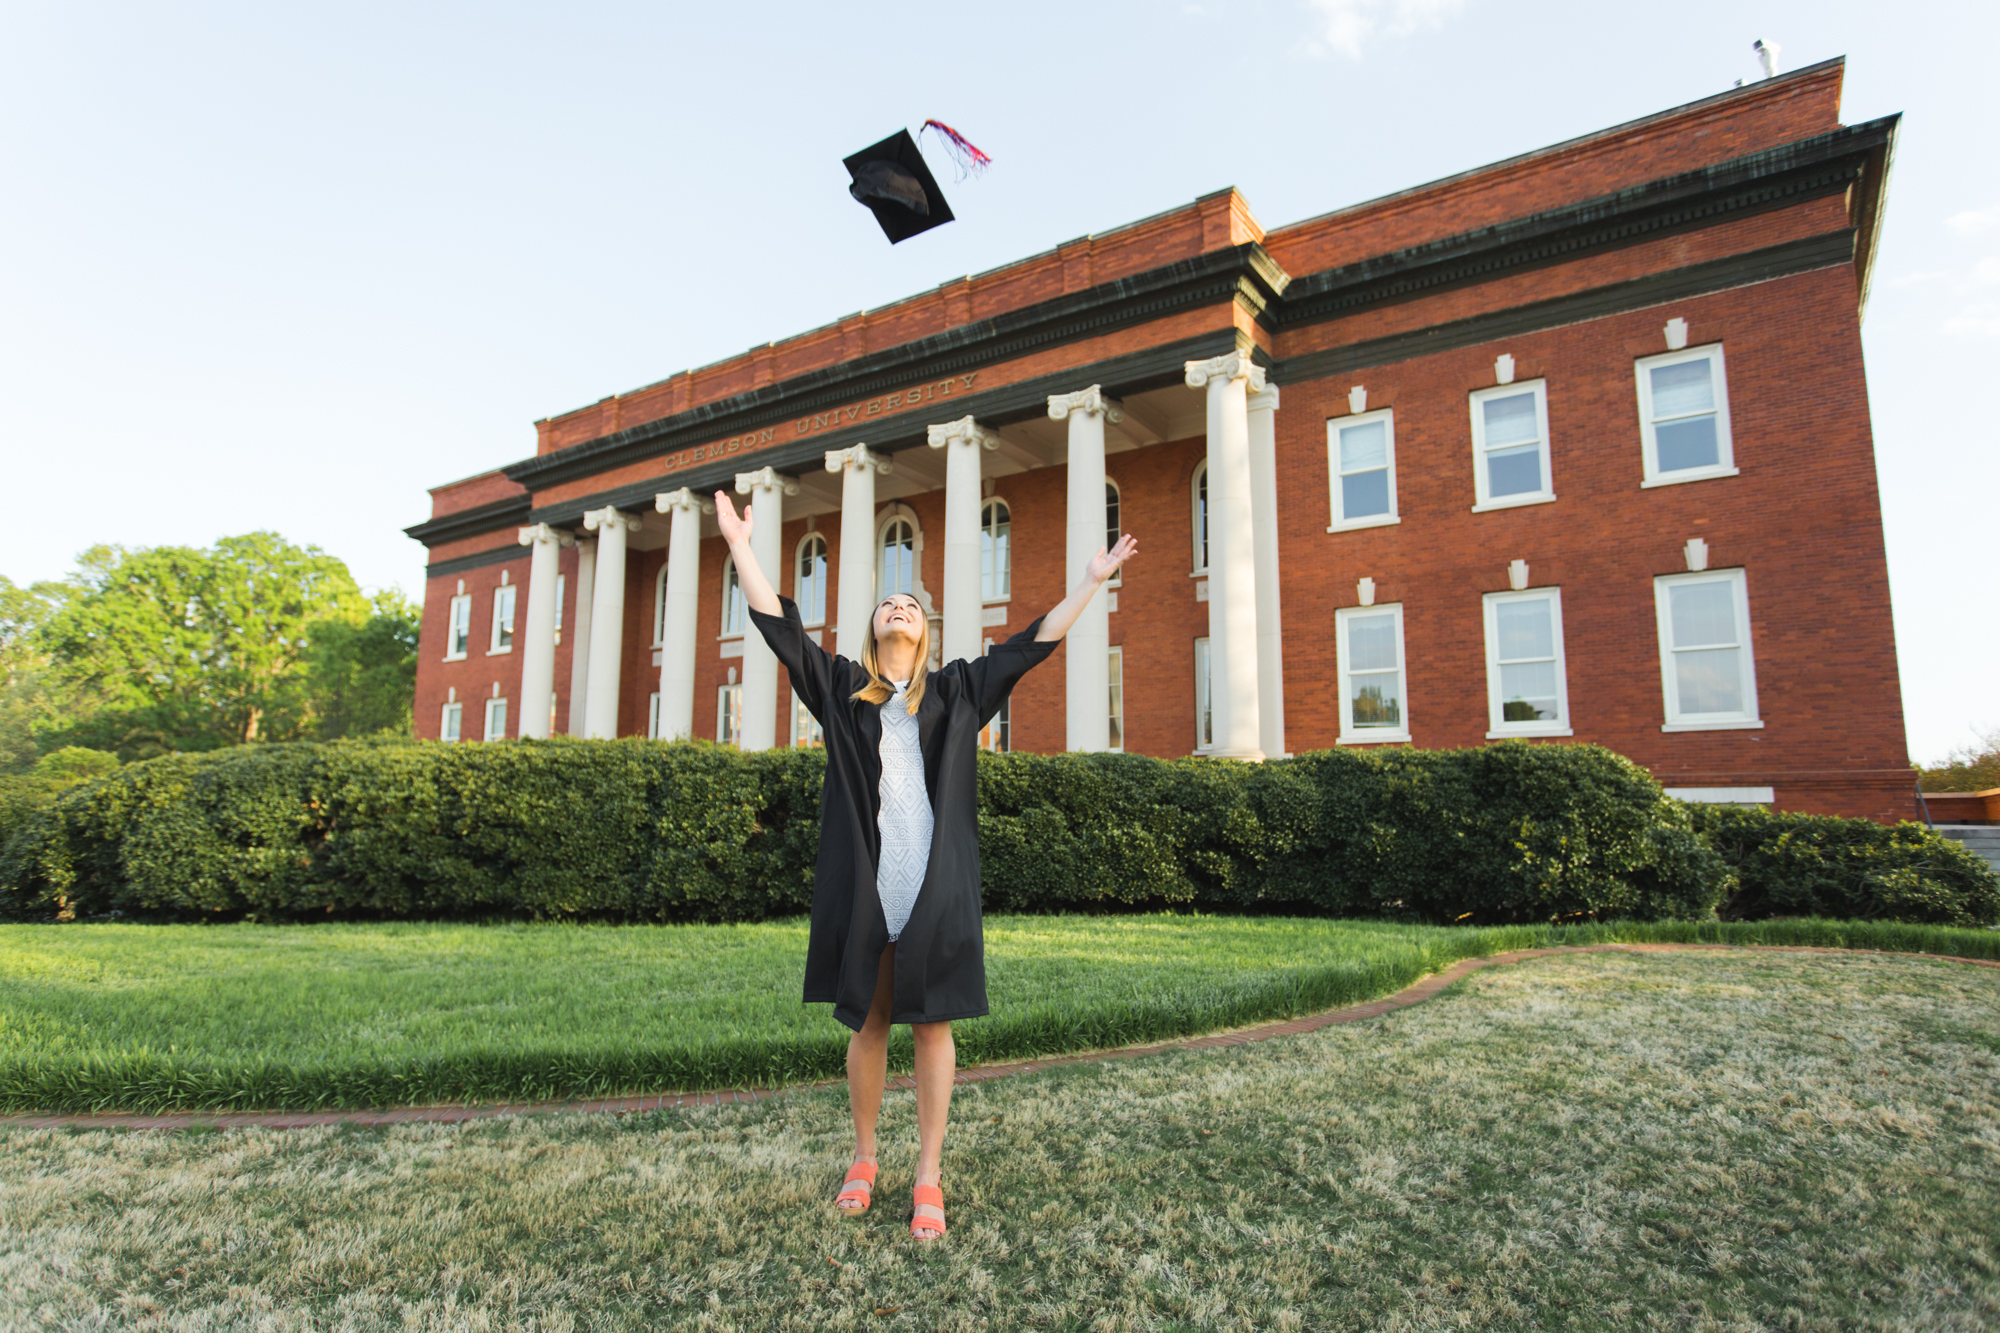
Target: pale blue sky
<point x="287" y="266"/>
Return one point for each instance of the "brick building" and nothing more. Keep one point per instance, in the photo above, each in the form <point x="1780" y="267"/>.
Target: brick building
<point x="1572" y="446"/>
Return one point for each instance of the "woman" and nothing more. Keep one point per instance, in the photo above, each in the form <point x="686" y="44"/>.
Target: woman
<point x="895" y="916"/>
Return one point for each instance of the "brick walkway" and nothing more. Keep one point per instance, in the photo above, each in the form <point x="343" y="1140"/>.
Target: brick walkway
<point x="1402" y="999"/>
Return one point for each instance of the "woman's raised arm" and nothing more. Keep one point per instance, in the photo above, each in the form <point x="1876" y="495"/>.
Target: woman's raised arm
<point x="1102" y="566"/>
<point x="757" y="589"/>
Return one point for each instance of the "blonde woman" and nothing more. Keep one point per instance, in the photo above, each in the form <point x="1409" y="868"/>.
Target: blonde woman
<point x="895" y="916"/>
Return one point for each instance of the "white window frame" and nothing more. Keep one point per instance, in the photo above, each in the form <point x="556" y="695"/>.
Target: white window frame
<point x="1114" y="494"/>
<point x="561" y="591"/>
<point x="729" y="575"/>
<point x="807" y="734"/>
<point x="487" y="732"/>
<point x="1334" y="483"/>
<point x="1349" y="733"/>
<point x="1498" y="727"/>
<point x="1480" y="476"/>
<point x="890" y="519"/>
<point x="1204" y="710"/>
<point x="1725" y="449"/>
<point x="729" y="715"/>
<point x="659" y="607"/>
<point x="1006" y="576"/>
<point x="1198" y="519"/>
<point x="458" y="628"/>
<point x="652" y="717"/>
<point x="1746" y="720"/>
<point x="451" y="723"/>
<point x="811" y="616"/>
<point x="503" y="623"/>
<point x="1115" y="705"/>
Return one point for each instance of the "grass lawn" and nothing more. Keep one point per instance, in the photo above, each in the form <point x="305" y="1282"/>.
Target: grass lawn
<point x="112" y="1016"/>
<point x="1688" y="1141"/>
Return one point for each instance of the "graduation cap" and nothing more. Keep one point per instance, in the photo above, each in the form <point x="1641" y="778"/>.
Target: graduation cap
<point x="891" y="179"/>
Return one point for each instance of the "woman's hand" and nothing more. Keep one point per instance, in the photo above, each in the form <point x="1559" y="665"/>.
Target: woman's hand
<point x="1105" y="563"/>
<point x="734" y="529"/>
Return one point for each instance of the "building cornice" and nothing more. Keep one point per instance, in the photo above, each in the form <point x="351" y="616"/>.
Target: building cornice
<point x="509" y="513"/>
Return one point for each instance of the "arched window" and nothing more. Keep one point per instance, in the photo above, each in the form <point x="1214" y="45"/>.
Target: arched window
<point x="733" y="616"/>
<point x="1200" y="496"/>
<point x="1112" y="529"/>
<point x="896" y="558"/>
<point x="809" y="581"/>
<point x="659" y="608"/>
<point x="996" y="563"/>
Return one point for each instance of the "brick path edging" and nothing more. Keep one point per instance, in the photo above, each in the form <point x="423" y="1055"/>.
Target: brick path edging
<point x="1409" y="995"/>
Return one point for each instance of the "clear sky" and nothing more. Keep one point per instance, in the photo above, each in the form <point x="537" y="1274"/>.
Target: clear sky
<point x="287" y="266"/>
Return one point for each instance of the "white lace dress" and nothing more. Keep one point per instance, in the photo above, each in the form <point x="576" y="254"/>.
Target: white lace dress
<point x="905" y="820"/>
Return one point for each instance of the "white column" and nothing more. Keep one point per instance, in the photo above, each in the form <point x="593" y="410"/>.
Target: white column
<point x="677" y="629"/>
<point x="607" y="619"/>
<point x="579" y="653"/>
<point x="538" y="644"/>
<point x="1087" y="665"/>
<point x="1232" y="571"/>
<point x="767" y="491"/>
<point x="962" y="440"/>
<point x="1264" y="520"/>
<point x="855" y="589"/>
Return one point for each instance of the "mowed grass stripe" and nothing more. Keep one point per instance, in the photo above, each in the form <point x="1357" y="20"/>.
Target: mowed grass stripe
<point x="153" y="1018"/>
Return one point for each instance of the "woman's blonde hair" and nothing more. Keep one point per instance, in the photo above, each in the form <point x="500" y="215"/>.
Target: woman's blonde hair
<point x="878" y="690"/>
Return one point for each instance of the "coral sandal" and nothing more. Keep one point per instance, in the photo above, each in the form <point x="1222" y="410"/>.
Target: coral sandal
<point x="859" y="1185"/>
<point x="928" y="1199"/>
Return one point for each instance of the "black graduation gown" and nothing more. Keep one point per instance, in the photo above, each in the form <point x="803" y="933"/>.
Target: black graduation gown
<point x="941" y="957"/>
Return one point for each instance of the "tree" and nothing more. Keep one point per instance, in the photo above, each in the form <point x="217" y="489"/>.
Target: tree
<point x="362" y="675"/>
<point x="1968" y="768"/>
<point x="26" y="702"/>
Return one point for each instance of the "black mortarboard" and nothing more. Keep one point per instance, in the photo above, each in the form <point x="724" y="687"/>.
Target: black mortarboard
<point x="898" y="188"/>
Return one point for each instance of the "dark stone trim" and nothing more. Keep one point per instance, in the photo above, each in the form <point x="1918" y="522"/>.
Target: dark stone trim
<point x="1777" y="261"/>
<point x="1153" y="368"/>
<point x="439" y="569"/>
<point x="1243" y="273"/>
<point x="471" y="522"/>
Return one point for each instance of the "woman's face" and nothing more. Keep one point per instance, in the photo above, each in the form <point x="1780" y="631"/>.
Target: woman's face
<point x="899" y="617"/>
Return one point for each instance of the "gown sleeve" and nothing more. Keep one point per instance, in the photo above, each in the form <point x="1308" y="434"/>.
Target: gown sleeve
<point x="815" y="672"/>
<point x="991" y="678"/>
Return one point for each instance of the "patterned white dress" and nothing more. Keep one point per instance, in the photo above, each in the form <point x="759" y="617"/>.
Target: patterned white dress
<point x="905" y="820"/>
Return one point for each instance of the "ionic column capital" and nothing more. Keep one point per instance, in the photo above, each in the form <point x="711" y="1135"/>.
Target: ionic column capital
<point x="765" y="479"/>
<point x="1265" y="399"/>
<point x="542" y="532"/>
<point x="1235" y="366"/>
<point x="666" y="502"/>
<point x="610" y="516"/>
<point x="858" y="457"/>
<point x="1091" y="400"/>
<point x="965" y="430"/>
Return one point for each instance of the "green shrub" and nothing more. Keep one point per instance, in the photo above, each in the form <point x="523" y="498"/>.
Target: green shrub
<point x="1820" y="865"/>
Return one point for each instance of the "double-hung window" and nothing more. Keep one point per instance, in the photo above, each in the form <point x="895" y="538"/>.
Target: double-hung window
<point x="1684" y="416"/>
<point x="806" y="733"/>
<point x="1373" y="702"/>
<point x="896" y="559"/>
<point x="1706" y="671"/>
<point x="458" y="634"/>
<point x="1116" y="675"/>
<point x="996" y="735"/>
<point x="996" y="560"/>
<point x="729" y="714"/>
<point x="1527" y="686"/>
<point x="1113" y="529"/>
<point x="503" y="620"/>
<point x="734" y="612"/>
<point x="809" y="582"/>
<point x="450" y="722"/>
<point x="1361" y="470"/>
<point x="1198" y="497"/>
<point x="1204" y="714"/>
<point x="652" y="717"/>
<point x="561" y="583"/>
<point x="1510" y="446"/>
<point x="496" y="719"/>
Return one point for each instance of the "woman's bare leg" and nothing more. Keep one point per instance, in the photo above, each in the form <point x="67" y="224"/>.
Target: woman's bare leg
<point x="937" y="1065"/>
<point x="868" y="1059"/>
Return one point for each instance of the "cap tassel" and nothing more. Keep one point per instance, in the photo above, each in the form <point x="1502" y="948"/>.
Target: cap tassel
<point x="963" y="151"/>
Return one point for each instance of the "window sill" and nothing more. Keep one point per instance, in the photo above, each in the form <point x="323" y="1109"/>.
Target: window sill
<point x="1528" y="733"/>
<point x="1712" y="726"/>
<point x="499" y="652"/>
<point x="1201" y="573"/>
<point x="725" y="638"/>
<point x="1692" y="474"/>
<point x="455" y="657"/>
<point x="1487" y="506"/>
<point x="1385" y="738"/>
<point x="1353" y="525"/>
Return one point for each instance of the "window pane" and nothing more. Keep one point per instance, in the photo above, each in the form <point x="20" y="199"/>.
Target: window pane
<point x="1528" y="692"/>
<point x="898" y="567"/>
<point x="1525" y="630"/>
<point x="1116" y="675"/>
<point x="1364" y="494"/>
<point x="496" y="719"/>
<point x="811" y="585"/>
<point x="1363" y="447"/>
<point x="1112" y="530"/>
<point x="1378" y="699"/>
<point x="1710" y="681"/>
<point x="1687" y="443"/>
<point x="1514" y="471"/>
<point x="1371" y="643"/>
<point x="1201" y="517"/>
<point x="995" y="556"/>
<point x="1204" y="721"/>
<point x="732" y="602"/>
<point x="1681" y="389"/>
<point x="1703" y="613"/>
<point x="1510" y="420"/>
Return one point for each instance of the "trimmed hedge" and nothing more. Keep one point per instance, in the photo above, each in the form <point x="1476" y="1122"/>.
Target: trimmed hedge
<point x="637" y="830"/>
